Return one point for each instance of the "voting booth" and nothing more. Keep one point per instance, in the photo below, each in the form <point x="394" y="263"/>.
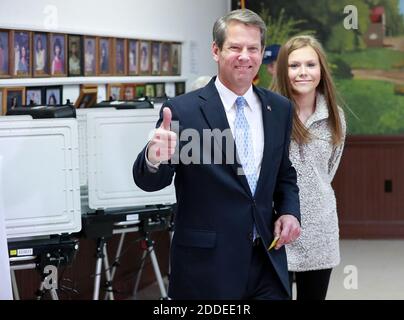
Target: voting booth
<point x="69" y="171"/>
<point x="110" y="138"/>
<point x="40" y="191"/>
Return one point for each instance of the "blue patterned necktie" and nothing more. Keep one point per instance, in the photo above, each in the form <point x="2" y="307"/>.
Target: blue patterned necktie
<point x="245" y="149"/>
<point x="244" y="144"/>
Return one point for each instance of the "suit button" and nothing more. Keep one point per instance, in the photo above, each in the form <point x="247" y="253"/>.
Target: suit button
<point x="250" y="236"/>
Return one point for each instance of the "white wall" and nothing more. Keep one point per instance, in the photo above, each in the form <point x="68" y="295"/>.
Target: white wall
<point x="189" y="21"/>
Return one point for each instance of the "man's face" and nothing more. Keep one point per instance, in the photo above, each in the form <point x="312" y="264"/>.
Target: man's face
<point x="240" y="58"/>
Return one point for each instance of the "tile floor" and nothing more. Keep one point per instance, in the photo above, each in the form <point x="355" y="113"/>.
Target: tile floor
<point x="369" y="269"/>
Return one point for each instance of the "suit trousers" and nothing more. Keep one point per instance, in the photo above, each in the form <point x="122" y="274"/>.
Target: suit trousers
<point x="263" y="282"/>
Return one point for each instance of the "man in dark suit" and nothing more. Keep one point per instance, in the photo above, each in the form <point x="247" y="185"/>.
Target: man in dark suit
<point x="235" y="186"/>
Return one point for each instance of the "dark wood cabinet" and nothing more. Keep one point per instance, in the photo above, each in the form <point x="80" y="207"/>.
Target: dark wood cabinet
<point x="369" y="186"/>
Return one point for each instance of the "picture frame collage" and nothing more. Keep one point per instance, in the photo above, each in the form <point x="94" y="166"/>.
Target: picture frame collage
<point x="130" y="91"/>
<point x="11" y="97"/>
<point x="25" y="54"/>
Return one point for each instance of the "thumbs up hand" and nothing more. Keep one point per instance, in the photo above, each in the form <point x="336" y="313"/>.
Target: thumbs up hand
<point x="163" y="143"/>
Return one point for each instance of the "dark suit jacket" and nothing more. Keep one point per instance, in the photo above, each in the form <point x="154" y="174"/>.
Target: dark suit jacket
<point x="212" y="243"/>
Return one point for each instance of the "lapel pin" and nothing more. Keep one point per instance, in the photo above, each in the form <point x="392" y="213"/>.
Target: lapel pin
<point x="269" y="108"/>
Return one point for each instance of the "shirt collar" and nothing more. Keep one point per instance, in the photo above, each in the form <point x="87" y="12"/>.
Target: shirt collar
<point x="321" y="111"/>
<point x="229" y="97"/>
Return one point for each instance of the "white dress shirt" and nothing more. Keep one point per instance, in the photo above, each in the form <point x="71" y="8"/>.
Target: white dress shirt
<point x="253" y="114"/>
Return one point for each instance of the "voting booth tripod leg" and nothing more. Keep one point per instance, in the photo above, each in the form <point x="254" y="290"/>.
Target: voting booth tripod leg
<point x="102" y="255"/>
<point x="148" y="246"/>
<point x="46" y="286"/>
<point x="139" y="273"/>
<point x="115" y="264"/>
<point x="171" y="235"/>
<point x="14" y="285"/>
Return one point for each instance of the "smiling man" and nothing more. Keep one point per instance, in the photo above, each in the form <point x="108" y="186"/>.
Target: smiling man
<point x="233" y="217"/>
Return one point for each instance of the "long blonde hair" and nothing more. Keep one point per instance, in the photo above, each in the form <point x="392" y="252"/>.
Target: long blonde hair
<point x="326" y="87"/>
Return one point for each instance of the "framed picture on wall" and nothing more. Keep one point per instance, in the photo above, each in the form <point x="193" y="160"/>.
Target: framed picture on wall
<point x="75" y="55"/>
<point x="104" y="56"/>
<point x="33" y="96"/>
<point x="179" y="88"/>
<point x="4" y="54"/>
<point x="58" y="55"/>
<point x="87" y="97"/>
<point x="144" y="57"/>
<point x="129" y="92"/>
<point x="140" y="90"/>
<point x="160" y="90"/>
<point x="21" y="53"/>
<point x="54" y="95"/>
<point x="150" y="90"/>
<point x="165" y="58"/>
<point x="40" y="56"/>
<point x="120" y="57"/>
<point x="114" y="91"/>
<point x="133" y="50"/>
<point x="155" y="58"/>
<point x="176" y="58"/>
<point x="12" y="98"/>
<point x="1" y="101"/>
<point x="170" y="89"/>
<point x="90" y="56"/>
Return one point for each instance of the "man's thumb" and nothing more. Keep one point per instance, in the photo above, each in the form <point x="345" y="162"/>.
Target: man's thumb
<point x="166" y="119"/>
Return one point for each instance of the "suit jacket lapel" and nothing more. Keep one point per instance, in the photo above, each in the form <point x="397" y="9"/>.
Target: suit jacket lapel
<point x="213" y="111"/>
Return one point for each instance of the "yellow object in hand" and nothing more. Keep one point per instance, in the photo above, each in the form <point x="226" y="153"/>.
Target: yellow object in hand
<point x="273" y="244"/>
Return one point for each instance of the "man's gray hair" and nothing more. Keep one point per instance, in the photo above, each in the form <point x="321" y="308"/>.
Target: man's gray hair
<point x="245" y="16"/>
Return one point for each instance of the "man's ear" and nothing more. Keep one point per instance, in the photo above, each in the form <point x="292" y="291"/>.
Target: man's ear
<point x="215" y="51"/>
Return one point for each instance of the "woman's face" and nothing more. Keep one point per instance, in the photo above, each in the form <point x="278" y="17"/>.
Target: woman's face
<point x="304" y="71"/>
<point x="57" y="50"/>
<point x="39" y="44"/>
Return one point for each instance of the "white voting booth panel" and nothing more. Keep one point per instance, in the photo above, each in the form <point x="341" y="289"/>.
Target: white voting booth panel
<point x="5" y="280"/>
<point x="41" y="191"/>
<point x="15" y="118"/>
<point x="114" y="142"/>
<point x="81" y="115"/>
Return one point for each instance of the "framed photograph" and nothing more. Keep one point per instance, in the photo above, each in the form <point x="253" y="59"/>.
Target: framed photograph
<point x="144" y="57"/>
<point x="90" y="54"/>
<point x="133" y="50"/>
<point x="129" y="92"/>
<point x="54" y="95"/>
<point x="160" y="90"/>
<point x="21" y="53"/>
<point x="140" y="91"/>
<point x="155" y="58"/>
<point x="170" y="89"/>
<point x="176" y="58"/>
<point x="87" y="97"/>
<point x="120" y="59"/>
<point x="58" y="55"/>
<point x="1" y="101"/>
<point x="150" y="90"/>
<point x="40" y="43"/>
<point x="105" y="56"/>
<point x="114" y="91"/>
<point x="75" y="54"/>
<point x="179" y="88"/>
<point x="33" y="96"/>
<point x="4" y="54"/>
<point x="12" y="98"/>
<point x="165" y="59"/>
